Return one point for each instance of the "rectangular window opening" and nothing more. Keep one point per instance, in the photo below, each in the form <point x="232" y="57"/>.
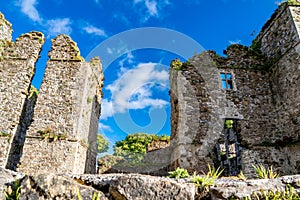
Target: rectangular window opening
<point x="226" y="79"/>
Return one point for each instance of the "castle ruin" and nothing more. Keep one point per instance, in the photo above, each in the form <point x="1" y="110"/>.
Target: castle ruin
<point x="56" y="131"/>
<point x="255" y="89"/>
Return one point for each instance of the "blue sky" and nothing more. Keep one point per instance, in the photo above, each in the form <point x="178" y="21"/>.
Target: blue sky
<point x="136" y="80"/>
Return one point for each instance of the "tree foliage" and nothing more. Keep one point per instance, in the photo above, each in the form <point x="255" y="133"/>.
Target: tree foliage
<point x="102" y="143"/>
<point x="133" y="148"/>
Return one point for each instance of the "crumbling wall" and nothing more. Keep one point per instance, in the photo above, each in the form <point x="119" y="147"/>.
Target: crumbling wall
<point x="279" y="41"/>
<point x="196" y="123"/>
<point x="62" y="137"/>
<point x="264" y="99"/>
<point x="17" y="67"/>
<point x="249" y="102"/>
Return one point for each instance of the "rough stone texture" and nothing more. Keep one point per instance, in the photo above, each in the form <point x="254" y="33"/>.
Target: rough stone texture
<point x="17" y="67"/>
<point x="68" y="107"/>
<point x="18" y="141"/>
<point x="135" y="186"/>
<point x="227" y="188"/>
<point x="280" y="32"/>
<point x="52" y="186"/>
<point x="5" y="29"/>
<point x="264" y="100"/>
<point x="194" y="105"/>
<point x="155" y="145"/>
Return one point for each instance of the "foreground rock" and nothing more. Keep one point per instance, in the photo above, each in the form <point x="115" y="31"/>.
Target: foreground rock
<point x="229" y="188"/>
<point x="56" y="187"/>
<point x="136" y="186"/>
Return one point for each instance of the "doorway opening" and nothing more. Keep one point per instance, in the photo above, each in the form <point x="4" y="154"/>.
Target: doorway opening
<point x="227" y="149"/>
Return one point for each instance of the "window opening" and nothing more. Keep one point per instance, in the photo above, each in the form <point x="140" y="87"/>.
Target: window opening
<point x="227" y="149"/>
<point x="226" y="79"/>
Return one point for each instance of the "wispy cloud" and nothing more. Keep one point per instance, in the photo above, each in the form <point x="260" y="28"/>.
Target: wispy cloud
<point x="90" y="29"/>
<point x="102" y="128"/>
<point x="53" y="26"/>
<point x="152" y="7"/>
<point x="128" y="59"/>
<point x="235" y="41"/>
<point x="58" y="26"/>
<point x="106" y="109"/>
<point x="28" y="8"/>
<point x="134" y="90"/>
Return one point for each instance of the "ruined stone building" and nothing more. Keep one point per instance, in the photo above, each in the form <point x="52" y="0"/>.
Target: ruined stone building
<point x="254" y="90"/>
<point x="231" y="111"/>
<point x="56" y="131"/>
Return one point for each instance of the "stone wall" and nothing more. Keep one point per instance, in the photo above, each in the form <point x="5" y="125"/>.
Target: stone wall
<point x="196" y="123"/>
<point x="62" y="136"/>
<point x="264" y="100"/>
<point x="280" y="33"/>
<point x="17" y="67"/>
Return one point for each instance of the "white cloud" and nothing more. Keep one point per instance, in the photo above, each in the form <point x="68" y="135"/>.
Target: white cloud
<point x="152" y="7"/>
<point x="134" y="90"/>
<point x="53" y="26"/>
<point x="102" y="127"/>
<point x="94" y="30"/>
<point x="106" y="109"/>
<point x="28" y="8"/>
<point x="128" y="59"/>
<point x="235" y="41"/>
<point x="58" y="26"/>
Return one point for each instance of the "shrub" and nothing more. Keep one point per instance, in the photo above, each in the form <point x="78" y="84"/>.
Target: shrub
<point x="179" y="173"/>
<point x="134" y="147"/>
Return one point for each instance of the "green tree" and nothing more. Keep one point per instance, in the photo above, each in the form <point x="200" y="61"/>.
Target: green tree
<point x="102" y="143"/>
<point x="133" y="148"/>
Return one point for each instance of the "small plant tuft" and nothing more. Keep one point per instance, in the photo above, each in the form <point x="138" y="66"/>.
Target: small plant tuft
<point x="207" y="180"/>
<point x="265" y="173"/>
<point x="179" y="173"/>
<point x="89" y="100"/>
<point x="241" y="176"/>
<point x="228" y="124"/>
<point x="292" y="2"/>
<point x="13" y="191"/>
<point x="176" y="64"/>
<point x="51" y="135"/>
<point x="288" y="194"/>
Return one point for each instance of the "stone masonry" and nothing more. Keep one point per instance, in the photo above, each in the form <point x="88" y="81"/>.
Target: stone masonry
<point x="55" y="132"/>
<point x="17" y="67"/>
<point x="263" y="101"/>
<point x="62" y="136"/>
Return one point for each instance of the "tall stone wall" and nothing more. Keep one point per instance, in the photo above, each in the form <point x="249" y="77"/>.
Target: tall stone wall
<point x="264" y="99"/>
<point x="193" y="110"/>
<point x="62" y="136"/>
<point x="17" y="67"/>
<point x="284" y="80"/>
